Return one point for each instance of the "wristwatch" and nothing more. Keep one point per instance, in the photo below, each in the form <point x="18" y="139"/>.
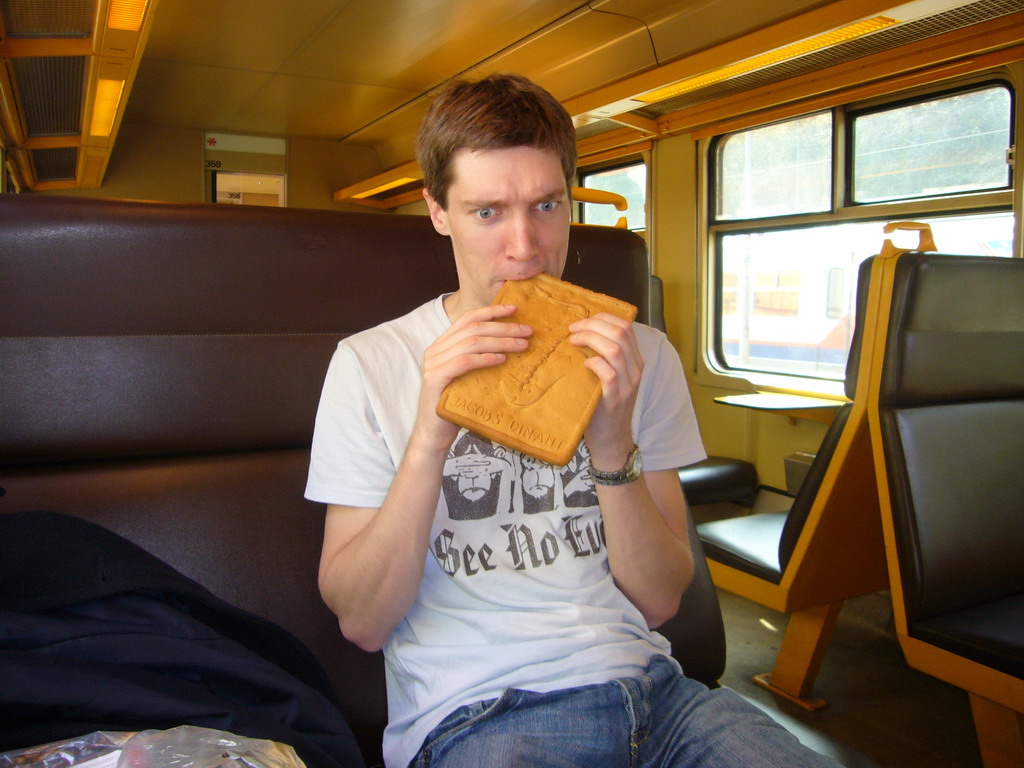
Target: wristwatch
<point x="630" y="472"/>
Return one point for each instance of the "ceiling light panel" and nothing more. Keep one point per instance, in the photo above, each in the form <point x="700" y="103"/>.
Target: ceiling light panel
<point x="126" y="14"/>
<point x="104" y="109"/>
<point x="786" y="53"/>
<point x="886" y="39"/>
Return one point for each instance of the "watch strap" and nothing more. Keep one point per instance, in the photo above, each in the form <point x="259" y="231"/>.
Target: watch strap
<point x="627" y="474"/>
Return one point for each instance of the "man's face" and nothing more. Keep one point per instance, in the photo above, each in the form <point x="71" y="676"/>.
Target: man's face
<point x="508" y="218"/>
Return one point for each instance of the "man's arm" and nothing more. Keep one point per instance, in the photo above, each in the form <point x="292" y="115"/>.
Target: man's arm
<point x="645" y="521"/>
<point x="372" y="560"/>
<point x="648" y="542"/>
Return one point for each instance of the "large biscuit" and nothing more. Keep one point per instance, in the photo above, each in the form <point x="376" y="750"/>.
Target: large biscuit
<point x="540" y="400"/>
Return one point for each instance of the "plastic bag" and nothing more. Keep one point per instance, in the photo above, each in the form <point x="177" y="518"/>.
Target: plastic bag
<point x="186" y="746"/>
<point x="190" y="747"/>
<point x="94" y="750"/>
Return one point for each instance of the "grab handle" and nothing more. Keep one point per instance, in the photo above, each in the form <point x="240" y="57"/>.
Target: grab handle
<point x="925" y="241"/>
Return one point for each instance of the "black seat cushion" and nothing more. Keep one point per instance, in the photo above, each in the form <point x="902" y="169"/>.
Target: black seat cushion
<point x="749" y="544"/>
<point x="991" y="633"/>
<point x="761" y="544"/>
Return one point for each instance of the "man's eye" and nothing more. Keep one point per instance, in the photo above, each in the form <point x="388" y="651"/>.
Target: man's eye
<point x="547" y="206"/>
<point x="485" y="213"/>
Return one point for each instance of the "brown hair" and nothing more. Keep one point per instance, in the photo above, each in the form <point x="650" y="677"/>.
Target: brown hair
<point x="499" y="112"/>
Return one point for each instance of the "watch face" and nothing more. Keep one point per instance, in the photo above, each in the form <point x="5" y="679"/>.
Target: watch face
<point x="636" y="464"/>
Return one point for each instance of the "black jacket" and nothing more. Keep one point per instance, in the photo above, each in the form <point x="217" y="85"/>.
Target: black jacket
<point x="97" y="634"/>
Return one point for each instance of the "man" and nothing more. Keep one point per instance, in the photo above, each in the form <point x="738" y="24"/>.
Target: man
<point x="515" y="601"/>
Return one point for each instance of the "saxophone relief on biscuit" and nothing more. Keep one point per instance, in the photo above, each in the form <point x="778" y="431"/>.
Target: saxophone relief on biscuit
<point x="528" y="379"/>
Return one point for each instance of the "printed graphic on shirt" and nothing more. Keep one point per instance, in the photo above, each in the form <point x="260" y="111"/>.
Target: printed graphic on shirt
<point x="530" y="512"/>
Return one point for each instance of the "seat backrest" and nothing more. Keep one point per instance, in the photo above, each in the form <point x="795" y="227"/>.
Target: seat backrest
<point x="851" y="382"/>
<point x="808" y="491"/>
<point x="697" y="631"/>
<point x="950" y="408"/>
<point x="801" y="507"/>
<point x="657" y="312"/>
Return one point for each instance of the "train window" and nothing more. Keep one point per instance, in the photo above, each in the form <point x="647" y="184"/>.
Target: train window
<point x="630" y="181"/>
<point x="787" y="295"/>
<point x="941" y="146"/>
<point x="786" y="239"/>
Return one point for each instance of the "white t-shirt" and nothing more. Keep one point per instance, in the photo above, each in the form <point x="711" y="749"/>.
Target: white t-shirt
<point x="516" y="591"/>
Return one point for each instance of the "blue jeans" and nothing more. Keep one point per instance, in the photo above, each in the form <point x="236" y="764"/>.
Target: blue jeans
<point x="659" y="719"/>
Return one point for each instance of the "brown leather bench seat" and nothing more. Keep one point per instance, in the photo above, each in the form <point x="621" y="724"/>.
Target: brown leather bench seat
<point x="161" y="366"/>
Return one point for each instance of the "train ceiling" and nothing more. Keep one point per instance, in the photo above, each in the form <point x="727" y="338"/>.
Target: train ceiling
<point x="361" y="71"/>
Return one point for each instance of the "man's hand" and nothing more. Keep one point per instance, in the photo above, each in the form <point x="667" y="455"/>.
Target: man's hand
<point x="479" y="338"/>
<point x="618" y="366"/>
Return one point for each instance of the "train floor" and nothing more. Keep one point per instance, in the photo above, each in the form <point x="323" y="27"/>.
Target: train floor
<point x="896" y="715"/>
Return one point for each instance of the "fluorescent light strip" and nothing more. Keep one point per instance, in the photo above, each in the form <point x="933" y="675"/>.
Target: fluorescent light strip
<point x="383" y="188"/>
<point x="840" y="35"/>
<point x="104" y="109"/>
<point x="126" y="14"/>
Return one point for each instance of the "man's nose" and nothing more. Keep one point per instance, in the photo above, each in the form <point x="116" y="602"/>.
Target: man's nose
<point x="522" y="241"/>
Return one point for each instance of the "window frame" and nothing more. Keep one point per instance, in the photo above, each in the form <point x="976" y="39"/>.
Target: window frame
<point x="849" y="138"/>
<point x="712" y="165"/>
<point x="842" y="210"/>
